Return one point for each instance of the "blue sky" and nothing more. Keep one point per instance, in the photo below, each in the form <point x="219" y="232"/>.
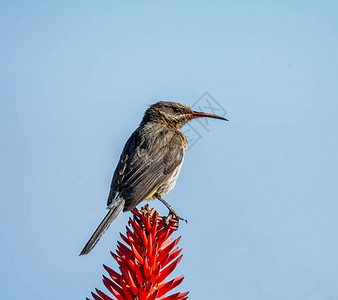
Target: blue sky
<point x="259" y="191"/>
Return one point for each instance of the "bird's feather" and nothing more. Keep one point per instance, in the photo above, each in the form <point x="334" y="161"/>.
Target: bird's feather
<point x="146" y="162"/>
<point x="104" y="225"/>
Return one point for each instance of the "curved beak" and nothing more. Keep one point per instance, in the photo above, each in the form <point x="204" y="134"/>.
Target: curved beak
<point x="198" y="114"/>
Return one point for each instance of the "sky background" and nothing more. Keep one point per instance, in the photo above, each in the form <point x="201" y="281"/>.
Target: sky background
<point x="260" y="191"/>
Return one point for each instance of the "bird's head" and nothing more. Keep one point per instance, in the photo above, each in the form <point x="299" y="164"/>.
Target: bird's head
<point x="174" y="114"/>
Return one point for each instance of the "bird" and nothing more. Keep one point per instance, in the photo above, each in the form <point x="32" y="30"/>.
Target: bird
<point x="150" y="162"/>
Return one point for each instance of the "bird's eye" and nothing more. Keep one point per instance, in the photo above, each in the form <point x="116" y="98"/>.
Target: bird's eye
<point x="176" y="110"/>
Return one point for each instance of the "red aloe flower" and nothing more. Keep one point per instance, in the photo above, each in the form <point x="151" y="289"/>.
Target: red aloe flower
<point x="145" y="260"/>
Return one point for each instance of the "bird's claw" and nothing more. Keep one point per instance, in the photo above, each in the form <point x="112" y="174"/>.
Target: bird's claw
<point x="174" y="215"/>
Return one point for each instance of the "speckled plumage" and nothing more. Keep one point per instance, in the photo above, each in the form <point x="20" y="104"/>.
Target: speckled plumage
<point x="149" y="164"/>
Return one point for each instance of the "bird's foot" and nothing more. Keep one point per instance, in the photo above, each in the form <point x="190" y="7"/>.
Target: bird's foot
<point x="173" y="214"/>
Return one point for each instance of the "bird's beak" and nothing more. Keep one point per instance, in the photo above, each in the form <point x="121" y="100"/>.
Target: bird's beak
<point x="198" y="114"/>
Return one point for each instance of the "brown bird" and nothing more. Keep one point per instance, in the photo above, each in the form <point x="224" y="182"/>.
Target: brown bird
<point x="150" y="162"/>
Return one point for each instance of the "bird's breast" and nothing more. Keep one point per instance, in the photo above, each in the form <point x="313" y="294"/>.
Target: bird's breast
<point x="167" y="186"/>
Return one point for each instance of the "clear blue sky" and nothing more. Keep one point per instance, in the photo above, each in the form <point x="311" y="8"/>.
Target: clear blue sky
<point x="260" y="192"/>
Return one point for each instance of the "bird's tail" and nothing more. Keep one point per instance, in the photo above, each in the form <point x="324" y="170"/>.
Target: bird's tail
<point x="104" y="225"/>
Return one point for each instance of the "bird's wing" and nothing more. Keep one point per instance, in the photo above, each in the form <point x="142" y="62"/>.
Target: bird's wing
<point x="146" y="162"/>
